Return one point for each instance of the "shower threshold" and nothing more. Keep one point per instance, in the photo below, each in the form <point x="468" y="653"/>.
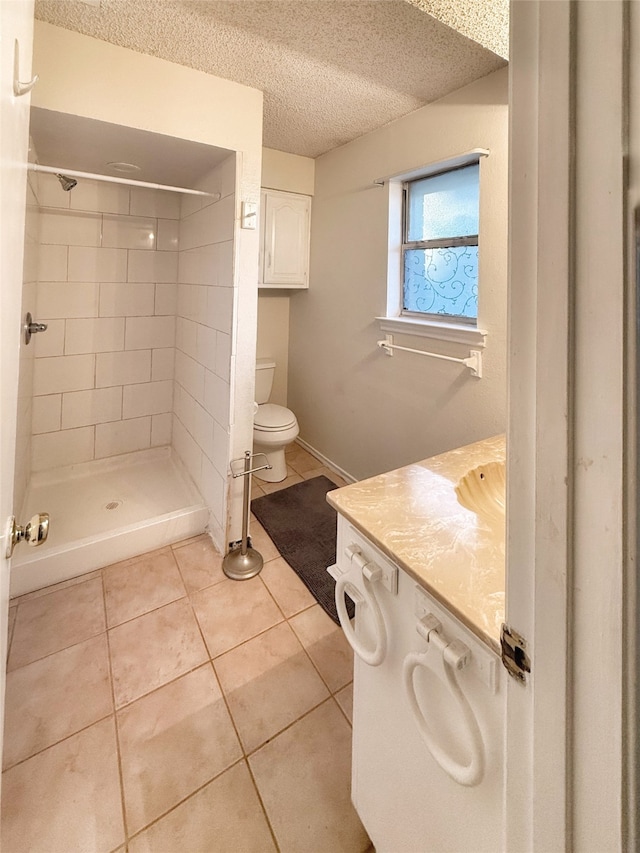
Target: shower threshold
<point x="105" y="511"/>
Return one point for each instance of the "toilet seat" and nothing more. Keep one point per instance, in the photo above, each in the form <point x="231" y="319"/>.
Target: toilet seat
<point x="273" y="418"/>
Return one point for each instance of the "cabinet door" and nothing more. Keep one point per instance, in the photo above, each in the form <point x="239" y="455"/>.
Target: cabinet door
<point x="286" y="239"/>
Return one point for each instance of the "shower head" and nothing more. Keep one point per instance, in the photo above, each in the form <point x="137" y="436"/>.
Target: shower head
<point x="66" y="183"/>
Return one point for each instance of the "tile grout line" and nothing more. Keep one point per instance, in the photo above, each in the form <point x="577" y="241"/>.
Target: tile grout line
<point x="115" y="723"/>
<point x="232" y="720"/>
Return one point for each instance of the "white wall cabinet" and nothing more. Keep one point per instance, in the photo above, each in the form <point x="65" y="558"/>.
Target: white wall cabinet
<point x="285" y="221"/>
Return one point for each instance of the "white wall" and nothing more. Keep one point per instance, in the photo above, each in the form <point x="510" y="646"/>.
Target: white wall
<point x="295" y="174"/>
<point x="103" y="373"/>
<point x="362" y="410"/>
<point x="87" y="77"/>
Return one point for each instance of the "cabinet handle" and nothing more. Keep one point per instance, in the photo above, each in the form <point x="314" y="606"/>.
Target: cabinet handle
<point x="371" y="574"/>
<point x="450" y="656"/>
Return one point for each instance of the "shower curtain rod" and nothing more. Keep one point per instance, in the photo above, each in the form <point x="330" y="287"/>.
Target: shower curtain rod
<point x="53" y="170"/>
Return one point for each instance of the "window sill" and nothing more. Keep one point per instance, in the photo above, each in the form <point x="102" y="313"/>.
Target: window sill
<point x="458" y="333"/>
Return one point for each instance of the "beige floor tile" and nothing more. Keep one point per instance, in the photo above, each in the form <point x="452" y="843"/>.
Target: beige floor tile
<point x="54" y="587"/>
<point x="326" y="645"/>
<point x="257" y="675"/>
<point x="225" y="817"/>
<point x="172" y="742"/>
<point x="261" y="540"/>
<point x="290" y="480"/>
<point x="137" y="586"/>
<point x="53" y="622"/>
<point x="256" y="489"/>
<point x="327" y="472"/>
<point x="200" y="564"/>
<point x="234" y="611"/>
<point x="301" y="460"/>
<point x="303" y="777"/>
<point x="286" y="587"/>
<point x="154" y="649"/>
<point x="55" y="697"/>
<point x="344" y="698"/>
<point x="66" y="798"/>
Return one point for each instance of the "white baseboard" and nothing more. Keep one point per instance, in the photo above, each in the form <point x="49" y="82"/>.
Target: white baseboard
<point x="326" y="462"/>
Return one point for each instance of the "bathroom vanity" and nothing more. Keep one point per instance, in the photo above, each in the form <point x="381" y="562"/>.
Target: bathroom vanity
<point x="421" y="551"/>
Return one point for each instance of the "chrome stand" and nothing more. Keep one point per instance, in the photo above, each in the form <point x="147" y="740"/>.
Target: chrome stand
<point x="244" y="562"/>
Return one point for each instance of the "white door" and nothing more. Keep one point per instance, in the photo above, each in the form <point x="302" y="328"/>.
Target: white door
<point x="569" y="426"/>
<point x="16" y="23"/>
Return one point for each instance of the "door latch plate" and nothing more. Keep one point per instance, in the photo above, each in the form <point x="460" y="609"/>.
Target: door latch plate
<point x="514" y="655"/>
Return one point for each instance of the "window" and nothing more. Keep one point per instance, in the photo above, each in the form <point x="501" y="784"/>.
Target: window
<point x="440" y="245"/>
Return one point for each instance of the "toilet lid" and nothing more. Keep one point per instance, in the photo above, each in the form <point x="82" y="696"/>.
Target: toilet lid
<point x="272" y="417"/>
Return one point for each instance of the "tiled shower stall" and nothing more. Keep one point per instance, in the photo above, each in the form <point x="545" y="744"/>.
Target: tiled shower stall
<point x="129" y="387"/>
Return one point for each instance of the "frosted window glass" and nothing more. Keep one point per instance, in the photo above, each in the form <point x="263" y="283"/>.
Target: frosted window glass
<point x="442" y="281"/>
<point x="444" y="205"/>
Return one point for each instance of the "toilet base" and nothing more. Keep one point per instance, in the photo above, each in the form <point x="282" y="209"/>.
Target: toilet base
<point x="275" y="458"/>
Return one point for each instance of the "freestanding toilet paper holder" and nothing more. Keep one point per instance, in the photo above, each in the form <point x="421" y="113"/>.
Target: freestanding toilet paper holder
<point x="244" y="562"/>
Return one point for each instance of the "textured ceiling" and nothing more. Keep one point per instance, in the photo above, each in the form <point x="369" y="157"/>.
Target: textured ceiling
<point x="330" y="70"/>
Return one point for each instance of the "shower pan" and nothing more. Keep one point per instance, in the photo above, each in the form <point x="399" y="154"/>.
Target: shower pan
<point x="123" y="421"/>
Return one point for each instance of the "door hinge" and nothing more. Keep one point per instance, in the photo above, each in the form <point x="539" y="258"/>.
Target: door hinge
<point x="514" y="655"/>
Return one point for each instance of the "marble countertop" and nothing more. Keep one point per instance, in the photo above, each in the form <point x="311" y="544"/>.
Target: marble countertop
<point x="413" y="516"/>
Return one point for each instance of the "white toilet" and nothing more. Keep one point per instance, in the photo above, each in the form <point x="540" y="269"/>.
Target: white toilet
<point x="274" y="427"/>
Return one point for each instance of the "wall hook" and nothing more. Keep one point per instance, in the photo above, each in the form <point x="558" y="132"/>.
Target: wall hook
<point x="18" y="87"/>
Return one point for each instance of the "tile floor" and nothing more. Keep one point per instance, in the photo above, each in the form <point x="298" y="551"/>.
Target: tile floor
<point x="155" y="706"/>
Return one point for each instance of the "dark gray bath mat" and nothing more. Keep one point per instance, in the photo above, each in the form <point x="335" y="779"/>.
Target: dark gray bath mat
<point x="303" y="528"/>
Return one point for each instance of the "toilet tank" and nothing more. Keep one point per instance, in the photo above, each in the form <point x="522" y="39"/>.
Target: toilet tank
<point x="265" y="368"/>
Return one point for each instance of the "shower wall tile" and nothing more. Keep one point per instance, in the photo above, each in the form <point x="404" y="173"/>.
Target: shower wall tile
<point x="203" y="430"/>
<point x="151" y="398"/>
<point x="225" y="264"/>
<point x="150" y="332"/>
<point x="189" y="204"/>
<point x="95" y="335"/>
<point x="46" y="413"/>
<point x="107" y="287"/>
<point x="199" y="266"/>
<point x="190" y="375"/>
<point x="97" y="264"/>
<point x="100" y="197"/>
<point x="53" y="342"/>
<point x="219" y="308"/>
<point x="123" y="368"/>
<point x="220" y="456"/>
<point x="166" y="300"/>
<point x="216" y="397"/>
<point x="162" y="364"/>
<point x="66" y="447"/>
<point x="161" y="429"/>
<point x="50" y="193"/>
<point x="122" y="437"/>
<point x="223" y="356"/>
<point x="192" y="301"/>
<point x="70" y="228"/>
<point x="189" y="453"/>
<point x="83" y="408"/>
<point x="185" y="408"/>
<point x="148" y="202"/>
<point x="57" y="300"/>
<point x="168" y="235"/>
<point x="63" y="373"/>
<point x="203" y="337"/>
<point x="129" y="232"/>
<point x="153" y="266"/>
<point x="127" y="300"/>
<point x="52" y="263"/>
<point x="207" y="346"/>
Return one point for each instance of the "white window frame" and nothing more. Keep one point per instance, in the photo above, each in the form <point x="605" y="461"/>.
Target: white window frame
<point x="429" y="326"/>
